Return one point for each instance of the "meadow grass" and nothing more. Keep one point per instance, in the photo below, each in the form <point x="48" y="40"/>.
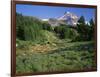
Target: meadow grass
<point x="48" y="58"/>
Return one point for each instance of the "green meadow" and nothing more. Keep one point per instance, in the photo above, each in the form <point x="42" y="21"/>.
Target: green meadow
<point x="41" y="47"/>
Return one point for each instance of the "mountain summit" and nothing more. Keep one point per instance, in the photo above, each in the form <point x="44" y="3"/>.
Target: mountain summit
<point x="68" y="18"/>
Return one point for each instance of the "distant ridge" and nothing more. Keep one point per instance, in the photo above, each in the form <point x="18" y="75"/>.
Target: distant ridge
<point x="68" y="18"/>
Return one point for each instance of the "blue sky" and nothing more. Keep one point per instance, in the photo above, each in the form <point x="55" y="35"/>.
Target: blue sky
<point x="45" y="12"/>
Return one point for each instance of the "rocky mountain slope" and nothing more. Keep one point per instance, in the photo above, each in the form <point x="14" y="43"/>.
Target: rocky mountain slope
<point x="68" y="18"/>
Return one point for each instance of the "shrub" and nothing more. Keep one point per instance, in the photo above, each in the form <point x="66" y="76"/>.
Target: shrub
<point x="65" y="32"/>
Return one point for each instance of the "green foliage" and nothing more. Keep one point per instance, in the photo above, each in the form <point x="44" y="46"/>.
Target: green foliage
<point x="65" y="32"/>
<point x="82" y="29"/>
<point x="49" y="37"/>
<point x="28" y="28"/>
<point x="76" y="56"/>
<point x="46" y="26"/>
<point x="92" y="24"/>
<point x="82" y="20"/>
<point x="85" y="30"/>
<point x="58" y="51"/>
<point x="19" y="26"/>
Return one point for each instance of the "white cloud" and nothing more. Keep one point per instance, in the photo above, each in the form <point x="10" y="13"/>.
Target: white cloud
<point x="44" y="19"/>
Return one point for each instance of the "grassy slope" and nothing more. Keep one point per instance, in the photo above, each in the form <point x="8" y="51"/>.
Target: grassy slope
<point x="57" y="55"/>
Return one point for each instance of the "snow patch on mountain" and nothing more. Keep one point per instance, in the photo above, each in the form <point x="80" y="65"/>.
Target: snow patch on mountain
<point x="68" y="18"/>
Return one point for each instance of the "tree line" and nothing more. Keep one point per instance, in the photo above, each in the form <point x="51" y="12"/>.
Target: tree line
<point x="30" y="28"/>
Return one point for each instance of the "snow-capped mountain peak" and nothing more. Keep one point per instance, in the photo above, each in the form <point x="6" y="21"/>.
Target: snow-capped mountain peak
<point x="69" y="18"/>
